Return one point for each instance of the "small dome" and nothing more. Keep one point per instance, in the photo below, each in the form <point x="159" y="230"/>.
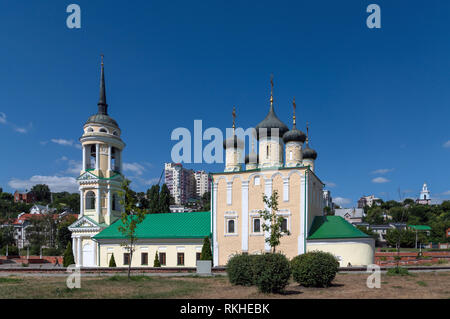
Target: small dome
<point x="233" y="142"/>
<point x="294" y="135"/>
<point x="271" y="122"/>
<point x="309" y="153"/>
<point x="102" y="119"/>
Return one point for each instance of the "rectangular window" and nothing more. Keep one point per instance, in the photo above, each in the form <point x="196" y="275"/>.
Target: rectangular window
<point x="180" y="259"/>
<point x="256" y="225"/>
<point x="162" y="259"/>
<point x="126" y="258"/>
<point x="197" y="256"/>
<point x="230" y="226"/>
<point x="284" y="225"/>
<point x="144" y="258"/>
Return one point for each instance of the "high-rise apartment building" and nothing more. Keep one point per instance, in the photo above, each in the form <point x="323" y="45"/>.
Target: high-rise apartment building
<point x="181" y="182"/>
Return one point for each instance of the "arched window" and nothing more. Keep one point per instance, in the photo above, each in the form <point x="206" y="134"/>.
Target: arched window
<point x="103" y="130"/>
<point x="90" y="200"/>
<point x="114" y="161"/>
<point x="115" y="133"/>
<point x="267" y="153"/>
<point x="115" y="202"/>
<point x="92" y="157"/>
<point x="90" y="130"/>
<point x="290" y="155"/>
<point x="230" y="226"/>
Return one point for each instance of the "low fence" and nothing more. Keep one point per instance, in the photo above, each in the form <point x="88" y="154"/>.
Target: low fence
<point x="33" y="259"/>
<point x="411" y="258"/>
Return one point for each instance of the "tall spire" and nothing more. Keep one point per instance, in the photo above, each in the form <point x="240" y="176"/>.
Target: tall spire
<point x="307" y="132"/>
<point x="295" y="106"/>
<point x="271" y="91"/>
<point x="234" y="118"/>
<point x="102" y="106"/>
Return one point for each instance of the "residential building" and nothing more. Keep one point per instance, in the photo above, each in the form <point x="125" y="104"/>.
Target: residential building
<point x="203" y="183"/>
<point x="41" y="209"/>
<point x="26" y="197"/>
<point x="180" y="182"/>
<point x="367" y="201"/>
<point x="352" y="215"/>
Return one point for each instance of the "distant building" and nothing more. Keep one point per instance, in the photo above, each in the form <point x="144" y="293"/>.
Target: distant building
<point x="180" y="209"/>
<point x="327" y="199"/>
<point x="425" y="197"/>
<point x="352" y="215"/>
<point x="40" y="209"/>
<point x="202" y="183"/>
<point x="27" y="197"/>
<point x="382" y="229"/>
<point x="367" y="201"/>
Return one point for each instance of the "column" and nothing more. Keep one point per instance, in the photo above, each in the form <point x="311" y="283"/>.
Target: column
<point x="109" y="157"/>
<point x="97" y="156"/>
<point x="268" y="193"/>
<point x="214" y="223"/>
<point x="80" y="252"/>
<point x="98" y="204"/>
<point x="245" y="216"/>
<point x="108" y="204"/>
<point x="81" y="203"/>
<point x="83" y="151"/>
<point x="74" y="249"/>
<point x="301" y="237"/>
<point x="120" y="161"/>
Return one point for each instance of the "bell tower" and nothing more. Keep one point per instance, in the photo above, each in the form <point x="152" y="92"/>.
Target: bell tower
<point x="101" y="173"/>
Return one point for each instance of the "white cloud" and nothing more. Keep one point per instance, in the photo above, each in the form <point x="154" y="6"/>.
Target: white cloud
<point x="380" y="180"/>
<point x="64" y="142"/>
<point x="55" y="183"/>
<point x="329" y="184"/>
<point x="2" y="118"/>
<point x="341" y="201"/>
<point x="446" y="192"/>
<point x="382" y="171"/>
<point x="22" y="130"/>
<point x="446" y="144"/>
<point x="136" y="168"/>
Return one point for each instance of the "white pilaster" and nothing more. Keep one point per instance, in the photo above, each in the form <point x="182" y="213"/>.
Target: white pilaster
<point x="286" y="189"/>
<point x="109" y="157"/>
<point x="214" y="214"/>
<point x="268" y="193"/>
<point x="245" y="216"/>
<point x="301" y="238"/>
<point x="97" y="156"/>
<point x="229" y="192"/>
<point x="81" y="203"/>
<point x="108" y="204"/>
<point x="75" y="250"/>
<point x="83" y="151"/>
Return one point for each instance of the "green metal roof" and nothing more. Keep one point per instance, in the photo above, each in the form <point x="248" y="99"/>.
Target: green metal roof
<point x="169" y="225"/>
<point x="330" y="227"/>
<point x="420" y="227"/>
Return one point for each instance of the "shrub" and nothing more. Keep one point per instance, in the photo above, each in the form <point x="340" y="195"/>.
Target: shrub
<point x="271" y="272"/>
<point x="397" y="271"/>
<point x="68" y="256"/>
<point x="12" y="250"/>
<point x="240" y="269"/>
<point x="112" y="261"/>
<point x="156" y="262"/>
<point x="206" y="250"/>
<point x="314" y="269"/>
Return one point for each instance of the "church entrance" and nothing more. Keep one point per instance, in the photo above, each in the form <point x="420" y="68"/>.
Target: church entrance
<point x="88" y="255"/>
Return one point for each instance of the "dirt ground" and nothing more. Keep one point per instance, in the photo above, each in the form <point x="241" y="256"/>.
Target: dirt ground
<point x="417" y="285"/>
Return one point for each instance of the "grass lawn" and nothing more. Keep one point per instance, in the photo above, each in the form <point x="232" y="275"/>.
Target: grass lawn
<point x="417" y="285"/>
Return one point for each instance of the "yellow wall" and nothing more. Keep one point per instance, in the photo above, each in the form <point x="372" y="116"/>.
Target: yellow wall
<point x="358" y="253"/>
<point x="171" y="249"/>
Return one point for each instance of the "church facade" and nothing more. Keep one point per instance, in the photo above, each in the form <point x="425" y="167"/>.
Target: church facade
<point x="284" y="164"/>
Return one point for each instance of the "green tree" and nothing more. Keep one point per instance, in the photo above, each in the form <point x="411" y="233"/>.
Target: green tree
<point x="42" y="193"/>
<point x="153" y="199"/>
<point x="64" y="235"/>
<point x="374" y="216"/>
<point x="272" y="221"/>
<point x="112" y="261"/>
<point x="164" y="199"/>
<point x="156" y="262"/>
<point x="206" y="250"/>
<point x="6" y="236"/>
<point x="130" y="221"/>
<point x="68" y="255"/>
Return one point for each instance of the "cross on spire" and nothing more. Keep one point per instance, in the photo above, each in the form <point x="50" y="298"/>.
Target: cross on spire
<point x="271" y="89"/>
<point x="295" y="106"/>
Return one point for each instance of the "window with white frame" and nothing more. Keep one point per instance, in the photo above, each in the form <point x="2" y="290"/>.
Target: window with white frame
<point x="231" y="226"/>
<point x="256" y="225"/>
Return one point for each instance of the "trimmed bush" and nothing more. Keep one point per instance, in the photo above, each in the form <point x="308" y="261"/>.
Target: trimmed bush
<point x="206" y="250"/>
<point x="314" y="269"/>
<point x="271" y="272"/>
<point x="397" y="271"/>
<point x="112" y="261"/>
<point x="156" y="262"/>
<point x="68" y="256"/>
<point x="240" y="269"/>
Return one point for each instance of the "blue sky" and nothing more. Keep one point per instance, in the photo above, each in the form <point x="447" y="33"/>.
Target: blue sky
<point x="377" y="99"/>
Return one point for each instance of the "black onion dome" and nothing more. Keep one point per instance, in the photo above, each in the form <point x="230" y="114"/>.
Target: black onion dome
<point x="271" y="122"/>
<point x="233" y="142"/>
<point x="309" y="153"/>
<point x="294" y="135"/>
<point x="251" y="158"/>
